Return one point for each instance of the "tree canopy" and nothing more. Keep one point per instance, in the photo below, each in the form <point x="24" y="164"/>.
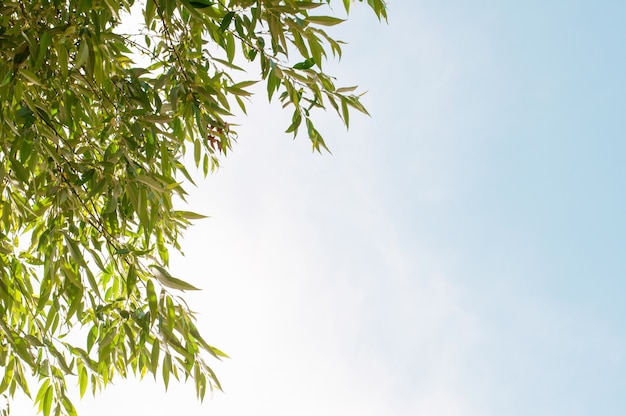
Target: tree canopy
<point x="95" y="124"/>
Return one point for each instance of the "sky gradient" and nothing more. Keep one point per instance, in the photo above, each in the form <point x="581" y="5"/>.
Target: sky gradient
<point x="462" y="252"/>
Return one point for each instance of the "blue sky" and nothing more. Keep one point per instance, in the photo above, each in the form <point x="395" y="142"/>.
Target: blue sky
<point x="524" y="129"/>
<point x="462" y="252"/>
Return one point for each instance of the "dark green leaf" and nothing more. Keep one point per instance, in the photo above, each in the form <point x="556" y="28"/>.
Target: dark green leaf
<point x="306" y="64"/>
<point x="21" y="54"/>
<point x="226" y="21"/>
<point x="201" y="4"/>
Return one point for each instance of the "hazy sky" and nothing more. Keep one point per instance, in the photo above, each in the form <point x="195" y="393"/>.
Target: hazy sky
<point x="462" y="252"/>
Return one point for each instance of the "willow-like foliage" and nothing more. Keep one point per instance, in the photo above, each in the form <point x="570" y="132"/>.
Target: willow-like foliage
<point x="94" y="126"/>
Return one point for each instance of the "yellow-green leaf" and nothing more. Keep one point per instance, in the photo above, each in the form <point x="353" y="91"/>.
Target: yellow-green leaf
<point x="168" y="280"/>
<point x="324" y="20"/>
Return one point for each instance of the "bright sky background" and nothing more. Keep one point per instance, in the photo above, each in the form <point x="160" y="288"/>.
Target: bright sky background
<point x="462" y="252"/>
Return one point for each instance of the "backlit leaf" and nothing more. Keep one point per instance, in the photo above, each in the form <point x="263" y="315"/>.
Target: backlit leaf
<point x="324" y="20"/>
<point x="167" y="280"/>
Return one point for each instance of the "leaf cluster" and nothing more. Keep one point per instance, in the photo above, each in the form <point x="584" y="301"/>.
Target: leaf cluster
<point x="94" y="127"/>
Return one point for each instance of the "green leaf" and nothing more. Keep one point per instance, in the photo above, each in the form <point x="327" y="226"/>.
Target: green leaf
<point x="30" y="76"/>
<point x="152" y="298"/>
<point x="201" y="4"/>
<point x="244" y="84"/>
<point x="21" y="54"/>
<point x="74" y="250"/>
<point x="353" y="101"/>
<point x="228" y="17"/>
<point x="167" y="369"/>
<point x="47" y="401"/>
<point x="24" y="112"/>
<point x="230" y="47"/>
<point x="307" y="5"/>
<point x="21" y="173"/>
<point x="82" y="55"/>
<point x="63" y="59"/>
<point x="92" y="335"/>
<point x="324" y="20"/>
<point x="190" y="215"/>
<point x="306" y="64"/>
<point x="44" y="43"/>
<point x="150" y="12"/>
<point x="273" y="83"/>
<point x="168" y="280"/>
<point x="43" y="388"/>
<point x="154" y="356"/>
<point x="157" y="119"/>
<point x="82" y="381"/>
<point x="131" y="280"/>
<point x="344" y="90"/>
<point x="197" y="151"/>
<point x="344" y="111"/>
<point x="218" y="352"/>
<point x="296" y="120"/>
